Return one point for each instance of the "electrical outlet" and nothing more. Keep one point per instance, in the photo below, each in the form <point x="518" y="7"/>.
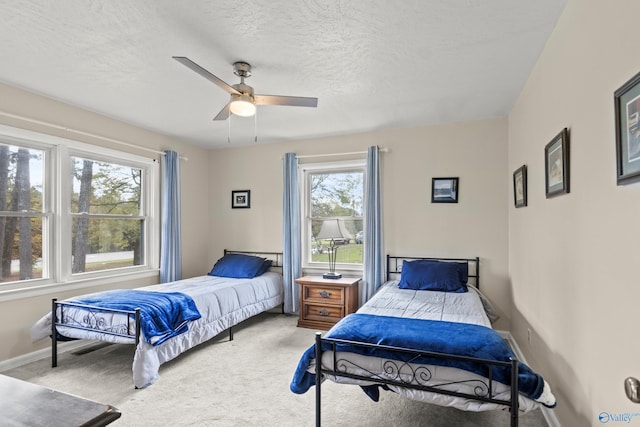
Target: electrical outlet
<point x="529" y="335"/>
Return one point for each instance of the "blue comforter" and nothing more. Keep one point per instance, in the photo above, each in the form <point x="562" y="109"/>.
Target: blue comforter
<point x="162" y="314"/>
<point x="424" y="335"/>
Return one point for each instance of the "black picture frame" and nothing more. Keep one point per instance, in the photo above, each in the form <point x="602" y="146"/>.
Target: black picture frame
<point x="556" y="165"/>
<point x="627" y="117"/>
<point x="444" y="190"/>
<point x="520" y="187"/>
<point x="241" y="199"/>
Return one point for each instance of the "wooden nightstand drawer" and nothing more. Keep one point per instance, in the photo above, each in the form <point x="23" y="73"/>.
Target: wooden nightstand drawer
<point x="323" y="302"/>
<point x="323" y="313"/>
<point x="324" y="294"/>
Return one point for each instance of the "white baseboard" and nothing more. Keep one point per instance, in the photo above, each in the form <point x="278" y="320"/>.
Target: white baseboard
<point x="44" y="353"/>
<point x="548" y="413"/>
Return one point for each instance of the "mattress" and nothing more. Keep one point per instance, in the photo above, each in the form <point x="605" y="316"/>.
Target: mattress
<point x="222" y="302"/>
<point x="465" y="307"/>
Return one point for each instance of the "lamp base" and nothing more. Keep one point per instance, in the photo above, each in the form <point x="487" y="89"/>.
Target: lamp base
<point x="332" y="276"/>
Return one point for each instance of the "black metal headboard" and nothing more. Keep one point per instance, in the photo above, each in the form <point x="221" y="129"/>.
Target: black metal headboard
<point x="394" y="266"/>
<point x="275" y="257"/>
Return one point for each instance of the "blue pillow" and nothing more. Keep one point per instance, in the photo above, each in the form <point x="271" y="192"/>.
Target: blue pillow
<point x="238" y="266"/>
<point x="463" y="271"/>
<point x="432" y="275"/>
<point x="266" y="265"/>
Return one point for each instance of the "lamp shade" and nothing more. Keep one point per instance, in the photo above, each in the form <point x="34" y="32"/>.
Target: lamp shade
<point x="333" y="229"/>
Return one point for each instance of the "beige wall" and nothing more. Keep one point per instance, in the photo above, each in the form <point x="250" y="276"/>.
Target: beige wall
<point x="18" y="315"/>
<point x="573" y="259"/>
<point x="476" y="226"/>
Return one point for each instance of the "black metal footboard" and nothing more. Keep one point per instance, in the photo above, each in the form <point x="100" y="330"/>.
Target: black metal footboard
<point x="487" y="394"/>
<point x="132" y="316"/>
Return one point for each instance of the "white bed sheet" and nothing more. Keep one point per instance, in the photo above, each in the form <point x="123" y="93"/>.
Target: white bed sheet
<point x="464" y="307"/>
<point x="453" y="307"/>
<point x="222" y="302"/>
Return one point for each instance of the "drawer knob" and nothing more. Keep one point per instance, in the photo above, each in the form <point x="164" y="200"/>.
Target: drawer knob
<point x="323" y="312"/>
<point x="325" y="294"/>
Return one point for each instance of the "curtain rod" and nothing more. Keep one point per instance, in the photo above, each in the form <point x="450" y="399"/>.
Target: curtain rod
<point x="80" y="132"/>
<point x="309" y="156"/>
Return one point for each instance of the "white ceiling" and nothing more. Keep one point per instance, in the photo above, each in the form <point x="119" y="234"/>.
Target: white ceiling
<point x="372" y="64"/>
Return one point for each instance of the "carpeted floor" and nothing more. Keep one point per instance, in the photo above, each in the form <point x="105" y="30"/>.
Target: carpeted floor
<point x="244" y="382"/>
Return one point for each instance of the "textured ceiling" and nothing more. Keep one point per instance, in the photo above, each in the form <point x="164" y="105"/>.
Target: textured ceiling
<point x="372" y="64"/>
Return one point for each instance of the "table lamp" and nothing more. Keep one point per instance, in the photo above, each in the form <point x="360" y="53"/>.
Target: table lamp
<point x="332" y="230"/>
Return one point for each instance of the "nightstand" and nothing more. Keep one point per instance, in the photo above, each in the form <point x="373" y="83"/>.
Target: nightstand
<point x="325" y="301"/>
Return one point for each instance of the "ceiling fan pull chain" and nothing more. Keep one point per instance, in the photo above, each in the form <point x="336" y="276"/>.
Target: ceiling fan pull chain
<point x="229" y="129"/>
<point x="255" y="127"/>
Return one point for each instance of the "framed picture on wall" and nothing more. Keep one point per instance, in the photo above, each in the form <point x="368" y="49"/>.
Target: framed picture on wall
<point x="556" y="164"/>
<point x="241" y="199"/>
<point x="520" y="186"/>
<point x="627" y="111"/>
<point x="444" y="190"/>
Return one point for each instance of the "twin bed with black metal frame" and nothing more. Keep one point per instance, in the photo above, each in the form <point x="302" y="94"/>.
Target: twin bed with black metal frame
<point x="161" y="326"/>
<point x="433" y="346"/>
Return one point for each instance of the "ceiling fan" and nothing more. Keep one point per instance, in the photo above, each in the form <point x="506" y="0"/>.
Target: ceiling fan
<point x="243" y="101"/>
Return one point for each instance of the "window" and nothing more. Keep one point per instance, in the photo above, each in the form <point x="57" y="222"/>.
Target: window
<point x="22" y="212"/>
<point x="70" y="211"/>
<point x="107" y="224"/>
<point x="333" y="208"/>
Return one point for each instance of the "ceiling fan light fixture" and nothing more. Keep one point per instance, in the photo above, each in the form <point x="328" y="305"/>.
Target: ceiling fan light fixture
<point x="243" y="102"/>
<point x="242" y="105"/>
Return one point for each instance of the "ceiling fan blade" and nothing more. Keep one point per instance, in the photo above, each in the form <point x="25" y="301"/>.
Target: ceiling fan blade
<point x="224" y="113"/>
<point x="296" y="101"/>
<point x="206" y="74"/>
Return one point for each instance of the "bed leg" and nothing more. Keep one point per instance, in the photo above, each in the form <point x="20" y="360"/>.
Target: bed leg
<point x="231" y="333"/>
<point x="54" y="336"/>
<point x="514" y="392"/>
<point x="318" y="376"/>
<point x="137" y="319"/>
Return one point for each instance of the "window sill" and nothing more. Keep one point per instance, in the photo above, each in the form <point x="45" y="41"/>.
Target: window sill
<point x="51" y="288"/>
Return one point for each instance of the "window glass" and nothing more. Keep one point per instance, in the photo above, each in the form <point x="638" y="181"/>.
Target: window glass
<point x="107" y="226"/>
<point x="335" y="205"/>
<point x="105" y="188"/>
<point x="22" y="216"/>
